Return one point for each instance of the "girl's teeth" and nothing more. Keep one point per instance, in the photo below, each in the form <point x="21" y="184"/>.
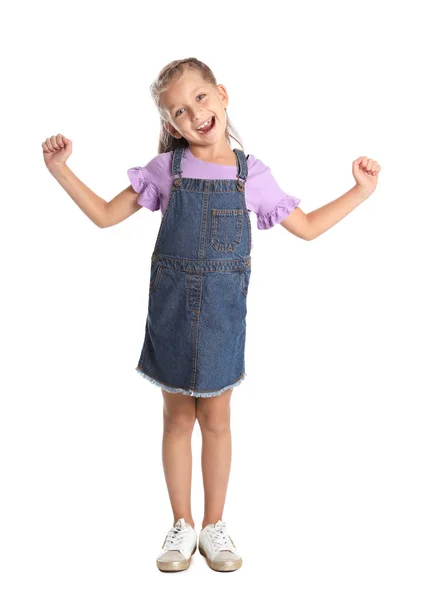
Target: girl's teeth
<point x="205" y="124"/>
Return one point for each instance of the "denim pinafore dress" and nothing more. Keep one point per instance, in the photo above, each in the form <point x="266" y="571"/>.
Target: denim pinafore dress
<point x="195" y="330"/>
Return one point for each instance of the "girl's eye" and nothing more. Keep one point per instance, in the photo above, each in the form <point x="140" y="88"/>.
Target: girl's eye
<point x="178" y="113"/>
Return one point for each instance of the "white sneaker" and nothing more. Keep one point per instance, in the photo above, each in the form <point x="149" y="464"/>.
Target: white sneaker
<point x="218" y="548"/>
<point x="179" y="546"/>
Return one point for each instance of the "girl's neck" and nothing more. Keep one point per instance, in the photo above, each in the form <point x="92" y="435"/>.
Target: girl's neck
<point x="225" y="157"/>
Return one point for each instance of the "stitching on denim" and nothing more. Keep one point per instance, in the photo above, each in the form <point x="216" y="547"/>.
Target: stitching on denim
<point x="223" y="246"/>
<point x="192" y="391"/>
<point x="157" y="277"/>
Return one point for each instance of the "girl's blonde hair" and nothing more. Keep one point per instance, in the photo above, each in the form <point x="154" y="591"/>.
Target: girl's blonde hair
<point x="166" y="76"/>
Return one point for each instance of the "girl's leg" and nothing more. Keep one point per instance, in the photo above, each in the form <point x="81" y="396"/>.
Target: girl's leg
<point x="179" y="416"/>
<point x="213" y="414"/>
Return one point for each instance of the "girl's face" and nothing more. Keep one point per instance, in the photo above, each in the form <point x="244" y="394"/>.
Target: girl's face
<point x="189" y="102"/>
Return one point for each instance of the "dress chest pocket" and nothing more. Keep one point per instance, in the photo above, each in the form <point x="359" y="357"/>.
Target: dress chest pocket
<point x="226" y="228"/>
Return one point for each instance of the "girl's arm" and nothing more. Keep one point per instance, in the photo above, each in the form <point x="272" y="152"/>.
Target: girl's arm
<point x="56" y="150"/>
<point x="310" y="226"/>
<point x="323" y="218"/>
<point x="102" y="213"/>
<point x="121" y="207"/>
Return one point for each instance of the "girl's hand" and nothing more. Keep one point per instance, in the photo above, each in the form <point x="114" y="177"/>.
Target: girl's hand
<point x="56" y="151"/>
<point x="365" y="172"/>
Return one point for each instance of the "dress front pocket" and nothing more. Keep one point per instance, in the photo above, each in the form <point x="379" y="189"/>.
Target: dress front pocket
<point x="226" y="228"/>
<point x="155" y="276"/>
<point x="245" y="277"/>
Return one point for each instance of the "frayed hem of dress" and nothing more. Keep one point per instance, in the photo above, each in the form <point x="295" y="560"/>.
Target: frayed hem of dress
<point x="175" y="390"/>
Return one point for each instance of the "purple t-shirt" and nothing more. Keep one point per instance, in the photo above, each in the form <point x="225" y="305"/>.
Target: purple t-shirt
<point x="263" y="195"/>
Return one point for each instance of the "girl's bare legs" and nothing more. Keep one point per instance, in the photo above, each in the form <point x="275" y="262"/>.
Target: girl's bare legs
<point x="179" y="416"/>
<point x="213" y="414"/>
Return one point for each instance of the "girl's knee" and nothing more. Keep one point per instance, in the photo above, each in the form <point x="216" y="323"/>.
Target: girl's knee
<point x="213" y="424"/>
<point x="213" y="413"/>
<point x="179" y="424"/>
<point x="179" y="412"/>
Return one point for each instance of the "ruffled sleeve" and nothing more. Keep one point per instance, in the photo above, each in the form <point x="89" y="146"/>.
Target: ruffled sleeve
<point x="147" y="190"/>
<point x="285" y="206"/>
<point x="272" y="203"/>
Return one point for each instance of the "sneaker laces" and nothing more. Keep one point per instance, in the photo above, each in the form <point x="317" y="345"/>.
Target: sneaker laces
<point x="175" y="536"/>
<point x="219" y="537"/>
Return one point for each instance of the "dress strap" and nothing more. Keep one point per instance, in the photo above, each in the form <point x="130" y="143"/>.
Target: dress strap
<point x="242" y="174"/>
<point x="177" y="165"/>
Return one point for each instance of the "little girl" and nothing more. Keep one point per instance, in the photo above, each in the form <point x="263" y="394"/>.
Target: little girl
<point x="200" y="270"/>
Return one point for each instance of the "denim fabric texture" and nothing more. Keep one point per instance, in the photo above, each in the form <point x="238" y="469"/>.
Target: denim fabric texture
<point x="195" y="329"/>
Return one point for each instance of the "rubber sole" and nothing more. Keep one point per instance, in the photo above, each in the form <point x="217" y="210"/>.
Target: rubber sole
<point x="224" y="568"/>
<point x="176" y="565"/>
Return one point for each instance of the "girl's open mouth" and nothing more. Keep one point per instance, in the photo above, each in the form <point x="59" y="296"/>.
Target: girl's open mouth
<point x="209" y="127"/>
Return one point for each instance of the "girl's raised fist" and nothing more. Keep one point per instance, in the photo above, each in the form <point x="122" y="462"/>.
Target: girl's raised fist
<point x="365" y="172"/>
<point x="56" y="151"/>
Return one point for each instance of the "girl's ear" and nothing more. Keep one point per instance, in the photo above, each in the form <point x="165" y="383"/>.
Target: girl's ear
<point x="170" y="129"/>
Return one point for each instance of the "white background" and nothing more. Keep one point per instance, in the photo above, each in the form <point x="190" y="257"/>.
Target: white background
<point x="327" y="490"/>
